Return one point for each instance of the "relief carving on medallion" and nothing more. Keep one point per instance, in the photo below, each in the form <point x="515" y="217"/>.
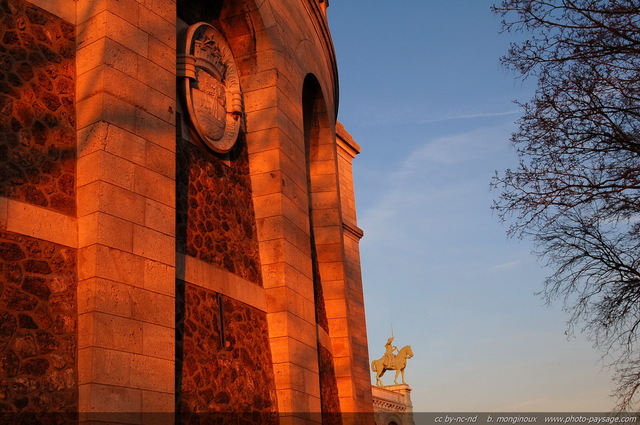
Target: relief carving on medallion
<point x="211" y="87"/>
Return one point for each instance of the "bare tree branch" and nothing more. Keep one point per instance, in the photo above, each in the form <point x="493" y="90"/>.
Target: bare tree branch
<point x="576" y="189"/>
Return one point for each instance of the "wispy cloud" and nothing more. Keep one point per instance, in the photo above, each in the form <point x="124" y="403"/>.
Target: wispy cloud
<point x="442" y="183"/>
<point x="376" y="113"/>
<point x="455" y="149"/>
<point x="505" y="266"/>
<point x="453" y="117"/>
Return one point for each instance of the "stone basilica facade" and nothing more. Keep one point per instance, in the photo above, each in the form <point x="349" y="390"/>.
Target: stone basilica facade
<point x="178" y="233"/>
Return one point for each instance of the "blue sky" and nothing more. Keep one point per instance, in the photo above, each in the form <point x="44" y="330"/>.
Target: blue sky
<point x="423" y="93"/>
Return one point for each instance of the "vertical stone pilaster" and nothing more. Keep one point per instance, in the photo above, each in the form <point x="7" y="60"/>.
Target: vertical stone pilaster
<point x="279" y="189"/>
<point x="126" y="208"/>
<point x="353" y="369"/>
<point x="281" y="206"/>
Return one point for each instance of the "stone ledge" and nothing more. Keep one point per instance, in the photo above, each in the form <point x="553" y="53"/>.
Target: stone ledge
<point x="59" y="8"/>
<point x="210" y="277"/>
<point x="38" y="222"/>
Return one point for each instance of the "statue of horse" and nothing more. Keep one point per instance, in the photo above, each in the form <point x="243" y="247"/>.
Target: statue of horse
<point x="398" y="364"/>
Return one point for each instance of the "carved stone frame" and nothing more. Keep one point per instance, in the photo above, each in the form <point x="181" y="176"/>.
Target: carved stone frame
<point x="206" y="51"/>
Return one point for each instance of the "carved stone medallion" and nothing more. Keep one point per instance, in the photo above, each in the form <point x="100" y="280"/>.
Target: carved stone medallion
<point x="211" y="87"/>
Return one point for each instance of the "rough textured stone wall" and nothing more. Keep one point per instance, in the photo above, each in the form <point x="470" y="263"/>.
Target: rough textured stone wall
<point x="216" y="221"/>
<point x="321" y="309"/>
<point x="328" y="389"/>
<point x="38" y="325"/>
<point x="37" y="111"/>
<point x="224" y="362"/>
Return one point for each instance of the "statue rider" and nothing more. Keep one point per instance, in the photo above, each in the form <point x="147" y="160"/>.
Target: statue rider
<point x="388" y="353"/>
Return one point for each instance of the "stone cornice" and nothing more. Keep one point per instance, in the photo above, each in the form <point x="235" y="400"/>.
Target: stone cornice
<point x="389" y="406"/>
<point x="345" y="141"/>
<point x="355" y="231"/>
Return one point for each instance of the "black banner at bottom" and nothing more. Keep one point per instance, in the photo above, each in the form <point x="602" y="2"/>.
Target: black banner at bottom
<point x="324" y="418"/>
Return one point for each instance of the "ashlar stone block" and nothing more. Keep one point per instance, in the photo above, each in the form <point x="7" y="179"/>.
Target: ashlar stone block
<point x="104" y="366"/>
<point x="152" y="373"/>
<point x="126" y="9"/>
<point x="158" y="341"/>
<point x="108" y="24"/>
<point x="105" y="296"/>
<point x="103" y="166"/>
<point x="154" y="185"/>
<point x="99" y="402"/>
<point x="154" y="245"/>
<point x="152" y="307"/>
<point x="156" y="26"/>
<point x="158" y="277"/>
<point x="109" y="332"/>
<point x="113" y="139"/>
<point x="105" y="107"/>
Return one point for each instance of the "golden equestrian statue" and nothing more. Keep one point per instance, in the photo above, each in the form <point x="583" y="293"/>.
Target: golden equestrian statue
<point x="391" y="361"/>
